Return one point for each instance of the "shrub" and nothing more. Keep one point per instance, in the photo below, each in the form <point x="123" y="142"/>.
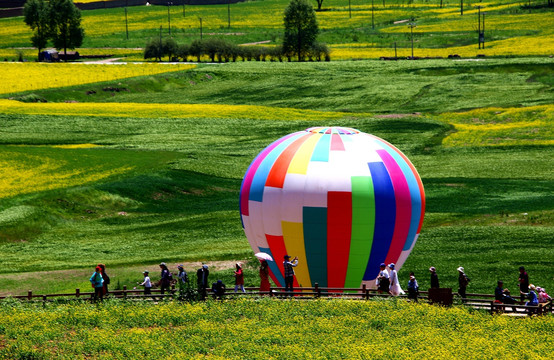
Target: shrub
<point x="197" y="49"/>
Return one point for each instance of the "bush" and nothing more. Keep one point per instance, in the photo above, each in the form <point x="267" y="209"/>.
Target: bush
<point x="223" y="51"/>
<point x="153" y="49"/>
<point x="156" y="49"/>
<point x="197" y="49"/>
<point x="183" y="51"/>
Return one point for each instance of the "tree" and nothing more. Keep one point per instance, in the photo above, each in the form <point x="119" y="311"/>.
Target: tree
<point x="153" y="49"/>
<point x="319" y="3"/>
<point x="65" y="20"/>
<point x="301" y="28"/>
<point x="36" y="15"/>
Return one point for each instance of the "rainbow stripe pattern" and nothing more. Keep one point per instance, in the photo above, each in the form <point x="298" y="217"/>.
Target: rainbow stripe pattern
<point x="341" y="200"/>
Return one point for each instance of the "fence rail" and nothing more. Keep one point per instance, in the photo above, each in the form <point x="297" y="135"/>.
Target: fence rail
<point x="474" y="300"/>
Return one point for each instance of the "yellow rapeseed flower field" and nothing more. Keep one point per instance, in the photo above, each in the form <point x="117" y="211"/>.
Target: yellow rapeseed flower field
<point x="168" y="110"/>
<point x="25" y="173"/>
<point x="501" y="127"/>
<point x="255" y="329"/>
<point x="18" y="77"/>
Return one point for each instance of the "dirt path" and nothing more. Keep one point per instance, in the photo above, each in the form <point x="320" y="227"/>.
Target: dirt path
<point x="257" y="43"/>
<point x="41" y="282"/>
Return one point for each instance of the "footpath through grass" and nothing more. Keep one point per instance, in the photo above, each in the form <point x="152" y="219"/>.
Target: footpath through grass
<point x="268" y="328"/>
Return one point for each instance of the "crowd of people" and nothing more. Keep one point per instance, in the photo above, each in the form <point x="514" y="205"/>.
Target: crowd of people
<point x="387" y="282"/>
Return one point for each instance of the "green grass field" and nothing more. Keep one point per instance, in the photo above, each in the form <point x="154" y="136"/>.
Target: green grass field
<point x="177" y="179"/>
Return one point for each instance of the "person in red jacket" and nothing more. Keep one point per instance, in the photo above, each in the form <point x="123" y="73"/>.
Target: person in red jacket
<point x="239" y="278"/>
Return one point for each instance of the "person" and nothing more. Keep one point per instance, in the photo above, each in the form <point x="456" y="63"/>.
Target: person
<point x="523" y="282"/>
<point x="413" y="287"/>
<point x="394" y="288"/>
<point x="146" y="283"/>
<point x="239" y="278"/>
<point x="183" y="279"/>
<point x="202" y="280"/>
<point x="434" y="278"/>
<point x="165" y="280"/>
<point x="289" y="272"/>
<point x="463" y="281"/>
<point x="383" y="279"/>
<point x="502" y="295"/>
<point x="542" y="295"/>
<point x="264" y="277"/>
<point x="532" y="297"/>
<point x="97" y="283"/>
<point x="218" y="289"/>
<point x="106" y="279"/>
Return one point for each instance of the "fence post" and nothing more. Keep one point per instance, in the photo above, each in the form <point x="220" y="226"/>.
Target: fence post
<point x="43" y="301"/>
<point x="317" y="290"/>
<point x="30" y="295"/>
<point x="270" y="292"/>
<point x="125" y="292"/>
<point x="366" y="291"/>
<point x="77" y="292"/>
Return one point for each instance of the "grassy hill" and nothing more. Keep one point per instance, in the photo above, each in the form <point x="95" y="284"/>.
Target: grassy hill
<point x="162" y="182"/>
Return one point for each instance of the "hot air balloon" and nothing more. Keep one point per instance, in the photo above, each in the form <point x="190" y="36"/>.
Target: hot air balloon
<point x="341" y="200"/>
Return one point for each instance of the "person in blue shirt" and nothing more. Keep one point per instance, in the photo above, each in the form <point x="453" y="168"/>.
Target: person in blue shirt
<point x="532" y="297"/>
<point x="98" y="284"/>
<point x="413" y="287"/>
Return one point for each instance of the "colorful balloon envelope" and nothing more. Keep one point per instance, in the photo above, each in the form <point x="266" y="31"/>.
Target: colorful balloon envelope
<point x="341" y="200"/>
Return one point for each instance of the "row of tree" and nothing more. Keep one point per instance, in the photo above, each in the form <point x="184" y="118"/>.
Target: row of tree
<point x="218" y="50"/>
<point x="56" y="20"/>
<point x="300" y="40"/>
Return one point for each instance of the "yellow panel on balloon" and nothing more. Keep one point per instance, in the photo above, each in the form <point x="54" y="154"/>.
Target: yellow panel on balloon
<point x="293" y="235"/>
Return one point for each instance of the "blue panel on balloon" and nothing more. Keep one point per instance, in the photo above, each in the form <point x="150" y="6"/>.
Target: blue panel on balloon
<point x="385" y="217"/>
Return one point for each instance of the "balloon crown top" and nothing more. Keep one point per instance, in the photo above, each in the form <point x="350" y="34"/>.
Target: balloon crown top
<point x="333" y="130"/>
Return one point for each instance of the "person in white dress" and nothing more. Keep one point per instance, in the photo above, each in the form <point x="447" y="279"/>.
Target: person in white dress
<point x="395" y="288"/>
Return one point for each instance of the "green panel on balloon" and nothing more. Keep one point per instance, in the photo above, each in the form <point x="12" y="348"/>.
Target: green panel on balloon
<point x="315" y="242"/>
<point x="363" y="222"/>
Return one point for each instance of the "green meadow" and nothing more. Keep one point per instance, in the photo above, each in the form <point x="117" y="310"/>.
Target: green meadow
<point x="489" y="208"/>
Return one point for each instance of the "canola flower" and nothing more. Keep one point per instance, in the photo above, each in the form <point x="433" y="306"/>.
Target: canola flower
<point x="521" y="46"/>
<point x="501" y="127"/>
<point x="168" y="110"/>
<point x="269" y="329"/>
<point x="19" y="77"/>
<point x="25" y="173"/>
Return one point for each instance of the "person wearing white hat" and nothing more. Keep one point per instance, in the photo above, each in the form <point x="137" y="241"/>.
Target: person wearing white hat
<point x="463" y="281"/>
<point x="146" y="283"/>
<point x="395" y="288"/>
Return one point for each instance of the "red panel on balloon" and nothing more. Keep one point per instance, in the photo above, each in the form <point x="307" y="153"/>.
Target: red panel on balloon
<point x="278" y="250"/>
<point x="339" y="230"/>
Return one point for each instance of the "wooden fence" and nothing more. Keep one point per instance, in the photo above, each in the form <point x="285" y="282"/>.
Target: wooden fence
<point x="476" y="301"/>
